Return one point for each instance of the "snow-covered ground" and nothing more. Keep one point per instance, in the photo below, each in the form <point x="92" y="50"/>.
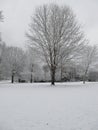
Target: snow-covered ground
<point x="67" y="106"/>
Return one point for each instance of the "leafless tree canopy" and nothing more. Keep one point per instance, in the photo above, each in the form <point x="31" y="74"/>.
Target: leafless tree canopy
<point x="89" y="56"/>
<point x="55" y="33"/>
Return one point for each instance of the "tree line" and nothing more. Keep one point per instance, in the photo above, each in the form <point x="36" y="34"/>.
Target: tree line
<point x="27" y="66"/>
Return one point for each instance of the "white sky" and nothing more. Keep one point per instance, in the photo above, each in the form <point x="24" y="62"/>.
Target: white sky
<point x="17" y="17"/>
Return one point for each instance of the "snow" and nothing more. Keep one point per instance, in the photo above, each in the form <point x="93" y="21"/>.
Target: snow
<point x="40" y="106"/>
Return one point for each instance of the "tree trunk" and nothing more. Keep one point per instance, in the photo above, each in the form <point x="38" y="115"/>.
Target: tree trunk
<point x="53" y="77"/>
<point x="61" y="73"/>
<point x="31" y="79"/>
<point x="84" y="82"/>
<point x="12" y="80"/>
<point x="61" y="69"/>
<point x="84" y="79"/>
<point x="85" y="74"/>
<point x="45" y="76"/>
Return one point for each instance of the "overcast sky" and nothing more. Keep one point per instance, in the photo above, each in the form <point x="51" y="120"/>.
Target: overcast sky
<point x="17" y="17"/>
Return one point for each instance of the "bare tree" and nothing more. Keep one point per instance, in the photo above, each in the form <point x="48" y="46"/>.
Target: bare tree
<point x="89" y="56"/>
<point x="2" y="55"/>
<point x="32" y="61"/>
<point x="13" y="62"/>
<point x="1" y="16"/>
<point x="55" y="33"/>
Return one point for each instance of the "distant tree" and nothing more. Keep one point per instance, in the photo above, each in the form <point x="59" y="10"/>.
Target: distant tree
<point x="13" y="62"/>
<point x="93" y="76"/>
<point x="89" y="56"/>
<point x="1" y="16"/>
<point x="31" y="62"/>
<point x="2" y="55"/>
<point x="55" y="33"/>
<point x="1" y="42"/>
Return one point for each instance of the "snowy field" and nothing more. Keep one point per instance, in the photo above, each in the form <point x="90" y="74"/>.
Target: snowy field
<point x="67" y="106"/>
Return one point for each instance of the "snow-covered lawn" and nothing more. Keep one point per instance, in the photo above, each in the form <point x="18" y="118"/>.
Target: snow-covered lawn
<point x="67" y="106"/>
